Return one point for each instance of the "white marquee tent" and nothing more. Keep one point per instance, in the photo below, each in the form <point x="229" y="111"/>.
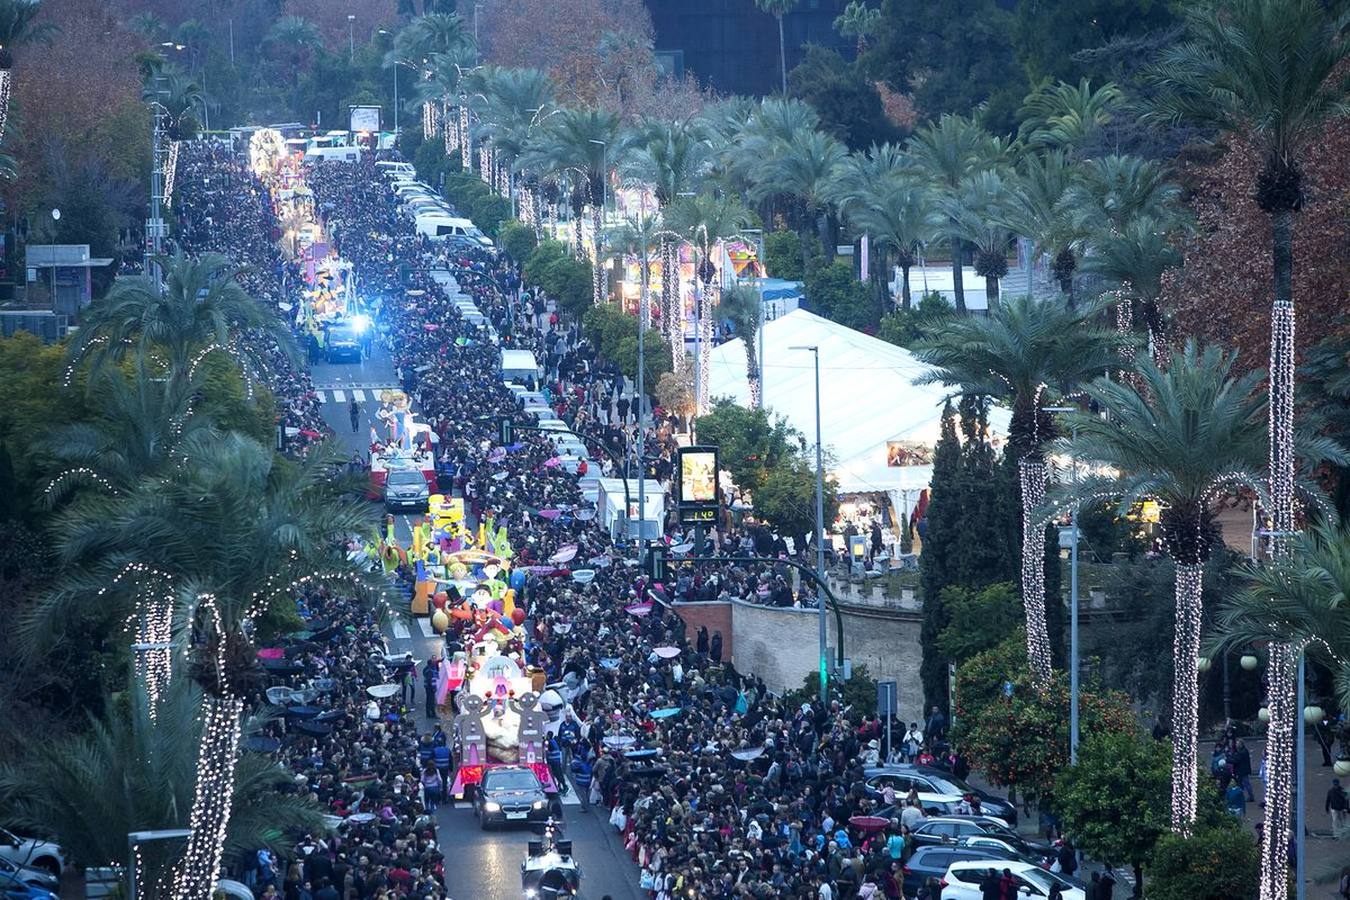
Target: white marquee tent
<point x="868" y="399"/>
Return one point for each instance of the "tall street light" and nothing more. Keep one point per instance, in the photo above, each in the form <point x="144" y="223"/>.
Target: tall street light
<point x="820" y="529"/>
<point x="1073" y="608"/>
<point x="395" y="66"/>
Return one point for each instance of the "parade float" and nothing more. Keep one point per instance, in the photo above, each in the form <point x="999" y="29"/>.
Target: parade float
<point x="409" y="444"/>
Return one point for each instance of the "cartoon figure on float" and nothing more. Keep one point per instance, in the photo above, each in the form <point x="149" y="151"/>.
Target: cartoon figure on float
<point x="503" y="722"/>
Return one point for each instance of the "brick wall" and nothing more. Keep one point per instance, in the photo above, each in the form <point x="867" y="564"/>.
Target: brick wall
<point x="713" y="616"/>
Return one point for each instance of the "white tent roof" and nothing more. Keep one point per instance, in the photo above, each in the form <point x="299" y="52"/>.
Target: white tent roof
<point x="867" y="397"/>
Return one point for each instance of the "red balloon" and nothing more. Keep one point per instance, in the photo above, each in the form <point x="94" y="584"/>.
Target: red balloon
<point x="518" y="616"/>
<point x="440" y="600"/>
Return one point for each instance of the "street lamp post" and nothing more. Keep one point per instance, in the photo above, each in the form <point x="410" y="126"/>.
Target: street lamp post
<point x="136" y="838"/>
<point x="394" y="117"/>
<point x="820" y="528"/>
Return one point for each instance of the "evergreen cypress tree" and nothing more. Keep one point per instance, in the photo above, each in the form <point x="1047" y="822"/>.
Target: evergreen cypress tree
<point x="988" y="554"/>
<point x="941" y="551"/>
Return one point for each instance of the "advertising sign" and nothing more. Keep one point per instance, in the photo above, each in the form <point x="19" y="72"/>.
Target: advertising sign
<point x="365" y="119"/>
<point x="698" y="484"/>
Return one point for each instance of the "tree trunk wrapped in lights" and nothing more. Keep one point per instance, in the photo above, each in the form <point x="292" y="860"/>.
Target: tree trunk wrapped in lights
<point x="6" y="78"/>
<point x="1186" y="694"/>
<point x="431" y="119"/>
<point x="451" y="133"/>
<point x="210" y="817"/>
<point x="152" y="652"/>
<point x="597" y="267"/>
<point x="170" y="168"/>
<point x="1282" y="687"/>
<point x="672" y="309"/>
<point x="465" y="136"/>
<point x="1031" y="473"/>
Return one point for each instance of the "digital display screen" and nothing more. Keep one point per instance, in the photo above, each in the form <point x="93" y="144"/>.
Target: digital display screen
<point x="365" y="118"/>
<point x="698" y="475"/>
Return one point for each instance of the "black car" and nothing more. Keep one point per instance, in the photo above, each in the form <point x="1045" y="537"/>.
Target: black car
<point x="510" y="794"/>
<point x="951" y="829"/>
<point x="930" y="780"/>
<point x="932" y="862"/>
<point x="342" y="342"/>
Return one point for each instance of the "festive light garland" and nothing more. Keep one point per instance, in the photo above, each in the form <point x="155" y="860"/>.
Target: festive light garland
<point x="465" y="137"/>
<point x="6" y="76"/>
<point x="1031" y="473"/>
<point x="170" y="167"/>
<point x="431" y="118"/>
<point x="705" y="338"/>
<point x="1186" y="704"/>
<point x="213" y="796"/>
<point x="1281" y="675"/>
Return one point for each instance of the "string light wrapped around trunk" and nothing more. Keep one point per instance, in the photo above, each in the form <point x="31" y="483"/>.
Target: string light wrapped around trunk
<point x="1186" y="703"/>
<point x="6" y="78"/>
<point x="1031" y="473"/>
<point x="465" y="137"/>
<point x="170" y="168"/>
<point x="213" y="795"/>
<point x="1281" y="676"/>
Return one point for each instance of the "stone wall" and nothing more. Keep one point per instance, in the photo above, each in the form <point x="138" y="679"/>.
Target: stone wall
<point x="780" y="645"/>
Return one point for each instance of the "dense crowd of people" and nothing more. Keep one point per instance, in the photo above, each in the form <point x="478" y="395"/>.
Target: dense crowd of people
<point x="698" y="818"/>
<point x="736" y="793"/>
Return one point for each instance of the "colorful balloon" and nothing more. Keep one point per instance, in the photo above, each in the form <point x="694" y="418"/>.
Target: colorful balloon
<point x="518" y="616"/>
<point x="440" y="621"/>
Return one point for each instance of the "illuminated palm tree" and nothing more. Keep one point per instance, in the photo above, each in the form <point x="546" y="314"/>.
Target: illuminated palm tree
<point x="1027" y="353"/>
<point x="586" y="143"/>
<point x="673" y="157"/>
<point x="1272" y="72"/>
<point x="1185" y="437"/>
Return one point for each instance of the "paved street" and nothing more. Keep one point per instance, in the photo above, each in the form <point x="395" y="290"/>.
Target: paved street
<point x="486" y="863"/>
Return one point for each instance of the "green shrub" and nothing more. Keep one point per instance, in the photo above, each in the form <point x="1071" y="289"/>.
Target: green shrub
<point x="837" y="294"/>
<point x="1216" y="863"/>
<point x="783" y="255"/>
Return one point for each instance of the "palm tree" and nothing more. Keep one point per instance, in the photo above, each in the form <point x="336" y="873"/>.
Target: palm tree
<point x="210" y="546"/>
<point x="1133" y="261"/>
<point x="859" y="22"/>
<point x="135" y="771"/>
<point x="509" y="105"/>
<point x="804" y="168"/>
<point x="1111" y="191"/>
<point x="293" y="38"/>
<point x="901" y="215"/>
<point x="1298" y="599"/>
<point x="740" y="305"/>
<point x="443" y="74"/>
<point x="978" y="214"/>
<point x="142" y="425"/>
<point x="704" y="220"/>
<point x="147" y="25"/>
<point x="673" y="157"/>
<point x="426" y="36"/>
<point x="778" y="9"/>
<point x="16" y="29"/>
<point x="1043" y="209"/>
<point x="1185" y="437"/>
<point x="588" y="143"/>
<point x="1027" y="353"/>
<point x="202" y="310"/>
<point x="947" y="152"/>
<point x="1064" y="117"/>
<point x="1272" y="71"/>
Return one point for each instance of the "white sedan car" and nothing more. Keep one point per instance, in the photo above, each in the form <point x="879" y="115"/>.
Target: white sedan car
<point x="962" y="881"/>
<point x="31" y="853"/>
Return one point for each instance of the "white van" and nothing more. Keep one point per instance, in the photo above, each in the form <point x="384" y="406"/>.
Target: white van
<point x="332" y="154"/>
<point x="396" y="171"/>
<point x="439" y="226"/>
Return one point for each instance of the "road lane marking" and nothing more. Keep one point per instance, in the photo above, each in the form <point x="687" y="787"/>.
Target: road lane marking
<point x="338" y="396"/>
<point x="427" y="630"/>
<point x="358" y="394"/>
<point x="401" y="632"/>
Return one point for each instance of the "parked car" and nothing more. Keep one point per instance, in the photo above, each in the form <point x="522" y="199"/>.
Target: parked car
<point x="933" y="862"/>
<point x="936" y="781"/>
<point x="12" y="888"/>
<point x="931" y="804"/>
<point x="951" y="829"/>
<point x="406" y="489"/>
<point x="510" y="794"/>
<point x="41" y="878"/>
<point x="30" y="852"/>
<point x="962" y="880"/>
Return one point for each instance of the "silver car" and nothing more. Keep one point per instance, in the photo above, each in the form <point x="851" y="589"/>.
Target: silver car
<point x="406" y="489"/>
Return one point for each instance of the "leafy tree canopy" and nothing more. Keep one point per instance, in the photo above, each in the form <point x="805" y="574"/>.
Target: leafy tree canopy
<point x="751" y="443"/>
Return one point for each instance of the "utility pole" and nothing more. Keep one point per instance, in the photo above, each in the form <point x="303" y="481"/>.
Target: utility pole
<point x="820" y="532"/>
<point x="154" y="226"/>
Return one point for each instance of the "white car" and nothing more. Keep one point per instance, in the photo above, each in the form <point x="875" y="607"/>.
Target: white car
<point x="962" y="881"/>
<point x="31" y="853"/>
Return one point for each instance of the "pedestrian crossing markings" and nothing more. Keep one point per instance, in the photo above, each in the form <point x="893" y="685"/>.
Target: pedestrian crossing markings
<point x="359" y="394"/>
